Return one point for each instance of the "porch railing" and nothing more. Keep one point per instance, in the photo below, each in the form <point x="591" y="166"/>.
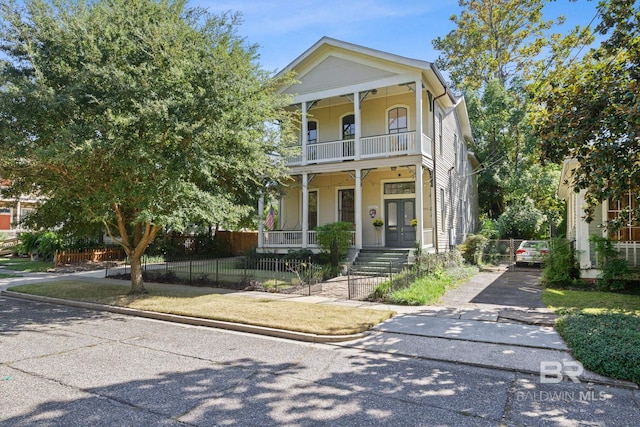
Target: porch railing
<point x="293" y="239"/>
<point x="283" y="238"/>
<point x="629" y="251"/>
<point x="427" y="146"/>
<point x="370" y="147"/>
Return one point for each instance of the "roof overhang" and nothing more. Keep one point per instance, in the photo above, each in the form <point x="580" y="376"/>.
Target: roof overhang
<point x="565" y="186"/>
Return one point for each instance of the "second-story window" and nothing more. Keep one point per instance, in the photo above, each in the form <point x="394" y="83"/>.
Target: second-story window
<point x="312" y="132"/>
<point x="349" y="127"/>
<point x="398" y="120"/>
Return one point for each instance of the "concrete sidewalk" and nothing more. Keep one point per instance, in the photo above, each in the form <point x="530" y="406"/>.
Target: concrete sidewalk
<point x="494" y="320"/>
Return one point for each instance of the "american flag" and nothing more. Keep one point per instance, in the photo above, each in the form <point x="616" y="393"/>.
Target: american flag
<point x="271" y="216"/>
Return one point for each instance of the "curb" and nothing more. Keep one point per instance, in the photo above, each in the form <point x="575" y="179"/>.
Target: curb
<point x="195" y="321"/>
<point x="587" y="379"/>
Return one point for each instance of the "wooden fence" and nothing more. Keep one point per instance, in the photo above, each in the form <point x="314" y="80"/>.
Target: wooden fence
<point x="95" y="255"/>
<point x="238" y="242"/>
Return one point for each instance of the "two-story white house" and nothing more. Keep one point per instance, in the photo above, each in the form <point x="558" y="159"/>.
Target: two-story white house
<point x="381" y="137"/>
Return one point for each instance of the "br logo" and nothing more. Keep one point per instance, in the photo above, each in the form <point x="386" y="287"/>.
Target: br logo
<point x="552" y="372"/>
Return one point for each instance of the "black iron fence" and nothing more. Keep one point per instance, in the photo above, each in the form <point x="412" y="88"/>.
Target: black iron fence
<point x="397" y="275"/>
<point x="267" y="274"/>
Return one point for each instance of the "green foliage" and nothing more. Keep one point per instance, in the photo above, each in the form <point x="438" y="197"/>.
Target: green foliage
<point x="614" y="271"/>
<point x="492" y="54"/>
<point x="489" y="229"/>
<point x="28" y="243"/>
<point x="430" y="288"/>
<point x="608" y="344"/>
<point x="334" y="240"/>
<point x="473" y="248"/>
<point x="137" y="116"/>
<point x="520" y="220"/>
<point x="41" y="243"/>
<point x="494" y="40"/>
<point x="591" y="112"/>
<point x="428" y="264"/>
<point x="560" y="265"/>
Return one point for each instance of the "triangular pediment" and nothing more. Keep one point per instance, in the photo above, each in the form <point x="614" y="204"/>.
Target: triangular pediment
<point x="335" y="72"/>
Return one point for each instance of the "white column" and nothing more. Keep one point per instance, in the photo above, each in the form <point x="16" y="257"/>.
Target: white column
<point x="356" y="117"/>
<point x="305" y="210"/>
<point x="261" y="221"/>
<point x="419" y="205"/>
<point x="419" y="124"/>
<point x="18" y="214"/>
<point x="358" y="208"/>
<point x="304" y="132"/>
<point x="582" y="233"/>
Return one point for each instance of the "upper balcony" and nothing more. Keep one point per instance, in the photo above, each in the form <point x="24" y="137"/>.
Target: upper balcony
<point x="370" y="147"/>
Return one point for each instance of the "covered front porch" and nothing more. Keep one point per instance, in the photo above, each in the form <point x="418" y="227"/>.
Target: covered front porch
<point x="389" y="207"/>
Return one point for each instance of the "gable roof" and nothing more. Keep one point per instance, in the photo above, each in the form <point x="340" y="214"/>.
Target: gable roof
<point x="319" y="56"/>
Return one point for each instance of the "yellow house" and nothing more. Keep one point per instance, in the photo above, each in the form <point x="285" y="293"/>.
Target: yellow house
<point x="382" y="137"/>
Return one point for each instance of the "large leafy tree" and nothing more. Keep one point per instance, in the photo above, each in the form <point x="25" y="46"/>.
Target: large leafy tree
<point x="494" y="40"/>
<point x="591" y="111"/>
<point x="493" y="54"/>
<point x="138" y="115"/>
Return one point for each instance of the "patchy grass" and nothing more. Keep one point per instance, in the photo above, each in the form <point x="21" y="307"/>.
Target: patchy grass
<point x="198" y="302"/>
<point x="564" y="301"/>
<point x="601" y="328"/>
<point x="429" y="289"/>
<point x="25" y="264"/>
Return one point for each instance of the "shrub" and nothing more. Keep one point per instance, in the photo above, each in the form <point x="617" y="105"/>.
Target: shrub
<point x="614" y="271"/>
<point x="608" y="344"/>
<point x="44" y="244"/>
<point x="560" y="264"/>
<point x="473" y="248"/>
<point x="520" y="220"/>
<point x="334" y="240"/>
<point x="489" y="229"/>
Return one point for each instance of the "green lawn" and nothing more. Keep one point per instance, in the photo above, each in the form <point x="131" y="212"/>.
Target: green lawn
<point x="25" y="264"/>
<point x="203" y="303"/>
<point x="564" y="301"/>
<point x="601" y="328"/>
<point x="429" y="289"/>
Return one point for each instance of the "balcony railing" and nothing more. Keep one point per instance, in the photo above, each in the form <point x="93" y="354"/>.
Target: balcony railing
<point x="380" y="146"/>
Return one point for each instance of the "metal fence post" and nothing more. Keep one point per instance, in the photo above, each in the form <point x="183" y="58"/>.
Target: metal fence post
<point x="217" y="268"/>
<point x="190" y="269"/>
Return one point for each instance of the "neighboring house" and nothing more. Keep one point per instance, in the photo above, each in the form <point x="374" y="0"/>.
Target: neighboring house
<point x="381" y="137"/>
<point x="12" y="211"/>
<point x="626" y="240"/>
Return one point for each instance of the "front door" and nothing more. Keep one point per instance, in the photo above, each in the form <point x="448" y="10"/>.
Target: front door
<point x="398" y="230"/>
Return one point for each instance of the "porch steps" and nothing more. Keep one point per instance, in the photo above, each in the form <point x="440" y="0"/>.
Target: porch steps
<point x="374" y="262"/>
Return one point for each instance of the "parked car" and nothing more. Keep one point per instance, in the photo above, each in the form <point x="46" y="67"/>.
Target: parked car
<point x="531" y="251"/>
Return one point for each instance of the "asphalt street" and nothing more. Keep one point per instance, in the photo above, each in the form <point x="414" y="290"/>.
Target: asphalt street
<point x="64" y="366"/>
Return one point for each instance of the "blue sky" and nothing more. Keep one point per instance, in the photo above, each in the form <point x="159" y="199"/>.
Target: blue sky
<point x="286" y="28"/>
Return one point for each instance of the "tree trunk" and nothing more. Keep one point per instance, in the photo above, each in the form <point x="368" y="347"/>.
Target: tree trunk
<point x="137" y="283"/>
